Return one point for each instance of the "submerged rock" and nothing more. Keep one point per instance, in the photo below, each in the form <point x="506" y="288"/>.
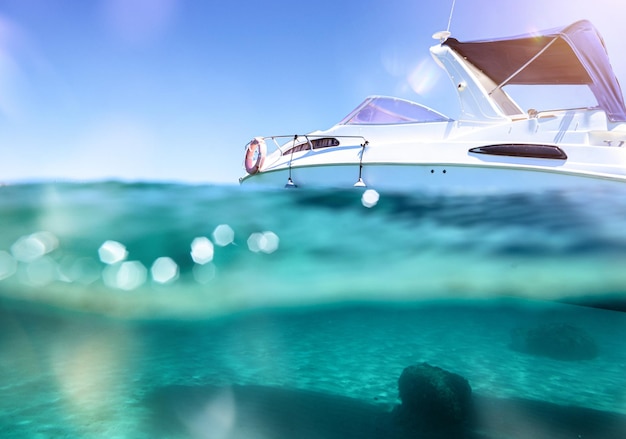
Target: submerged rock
<point x="433" y="398"/>
<point x="560" y="341"/>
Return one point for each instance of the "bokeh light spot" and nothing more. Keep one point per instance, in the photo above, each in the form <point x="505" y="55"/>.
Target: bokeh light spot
<point x="41" y="272"/>
<point x="370" y="198"/>
<point x="223" y="235"/>
<point x="82" y="270"/>
<point x="112" y="252"/>
<point x="127" y="276"/>
<point x="265" y="242"/>
<point x="202" y="250"/>
<point x="164" y="270"/>
<point x="203" y="274"/>
<point x="31" y="247"/>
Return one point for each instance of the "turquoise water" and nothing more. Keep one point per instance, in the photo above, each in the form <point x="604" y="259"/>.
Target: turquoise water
<point x="161" y="310"/>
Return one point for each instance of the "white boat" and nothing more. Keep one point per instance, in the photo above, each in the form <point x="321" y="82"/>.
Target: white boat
<point x="393" y="144"/>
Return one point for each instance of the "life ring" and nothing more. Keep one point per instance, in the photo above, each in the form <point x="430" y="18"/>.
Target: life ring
<point x="254" y="165"/>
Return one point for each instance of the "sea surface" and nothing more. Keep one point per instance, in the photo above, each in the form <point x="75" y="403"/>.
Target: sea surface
<point x="154" y="310"/>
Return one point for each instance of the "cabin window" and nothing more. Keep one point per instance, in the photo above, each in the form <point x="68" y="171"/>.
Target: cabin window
<point x="324" y="142"/>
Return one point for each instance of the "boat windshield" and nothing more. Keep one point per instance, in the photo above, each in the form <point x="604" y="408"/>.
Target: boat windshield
<point x="378" y="110"/>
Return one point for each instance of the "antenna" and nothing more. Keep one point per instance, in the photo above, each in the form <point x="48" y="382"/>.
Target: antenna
<point x="450" y="18"/>
<point x="445" y="34"/>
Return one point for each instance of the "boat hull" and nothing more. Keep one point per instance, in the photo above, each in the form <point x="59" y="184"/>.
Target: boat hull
<point x="447" y="178"/>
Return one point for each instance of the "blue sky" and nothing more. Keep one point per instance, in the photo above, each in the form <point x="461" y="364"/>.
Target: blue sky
<point x="173" y="89"/>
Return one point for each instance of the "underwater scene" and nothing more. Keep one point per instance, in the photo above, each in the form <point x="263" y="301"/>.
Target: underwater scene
<point x="155" y="310"/>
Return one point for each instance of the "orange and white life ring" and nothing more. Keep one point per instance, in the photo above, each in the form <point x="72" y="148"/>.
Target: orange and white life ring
<point x="254" y="165"/>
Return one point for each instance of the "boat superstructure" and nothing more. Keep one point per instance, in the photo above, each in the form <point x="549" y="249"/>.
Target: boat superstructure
<point x="394" y="144"/>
